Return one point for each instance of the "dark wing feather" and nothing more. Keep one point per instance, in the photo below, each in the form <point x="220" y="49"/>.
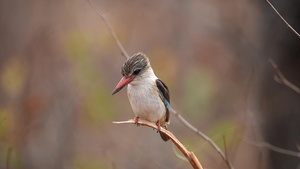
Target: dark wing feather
<point x="164" y="91"/>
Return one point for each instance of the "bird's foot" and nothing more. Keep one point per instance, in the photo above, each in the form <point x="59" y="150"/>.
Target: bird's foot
<point x="136" y="120"/>
<point x="158" y="125"/>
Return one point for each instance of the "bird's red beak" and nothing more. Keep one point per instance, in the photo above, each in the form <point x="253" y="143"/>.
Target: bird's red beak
<point x="123" y="82"/>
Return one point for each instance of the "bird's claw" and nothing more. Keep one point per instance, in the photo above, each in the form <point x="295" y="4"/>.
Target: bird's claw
<point x="158" y="125"/>
<point x="136" y="121"/>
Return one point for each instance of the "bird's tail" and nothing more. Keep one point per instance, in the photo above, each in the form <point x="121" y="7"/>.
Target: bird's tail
<point x="163" y="135"/>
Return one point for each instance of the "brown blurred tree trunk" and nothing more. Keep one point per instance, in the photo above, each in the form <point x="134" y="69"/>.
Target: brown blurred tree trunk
<point x="44" y="111"/>
<point x="46" y="106"/>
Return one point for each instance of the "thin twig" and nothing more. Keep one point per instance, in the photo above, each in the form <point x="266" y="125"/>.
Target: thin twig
<point x="178" y="155"/>
<point x="188" y="154"/>
<point x="273" y="148"/>
<point x="282" y="78"/>
<point x="225" y="147"/>
<point x="124" y="53"/>
<point x="206" y="138"/>
<point x="289" y="26"/>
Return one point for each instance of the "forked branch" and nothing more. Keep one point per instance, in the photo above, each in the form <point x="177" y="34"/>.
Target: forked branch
<point x="282" y="78"/>
<point x="190" y="156"/>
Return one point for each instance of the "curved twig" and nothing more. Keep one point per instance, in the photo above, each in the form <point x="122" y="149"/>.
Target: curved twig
<point x="113" y="34"/>
<point x="190" y="156"/>
<point x="289" y="26"/>
<point x="178" y="155"/>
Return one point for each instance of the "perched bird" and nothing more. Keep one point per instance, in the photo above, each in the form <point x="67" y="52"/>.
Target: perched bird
<point x="149" y="97"/>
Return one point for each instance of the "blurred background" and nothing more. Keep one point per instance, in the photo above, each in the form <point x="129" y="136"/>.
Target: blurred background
<point x="59" y="65"/>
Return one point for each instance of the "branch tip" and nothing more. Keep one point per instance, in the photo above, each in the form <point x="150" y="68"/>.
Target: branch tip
<point x="282" y="78"/>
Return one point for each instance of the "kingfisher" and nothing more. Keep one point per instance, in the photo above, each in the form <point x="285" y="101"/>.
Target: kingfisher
<point x="148" y="96"/>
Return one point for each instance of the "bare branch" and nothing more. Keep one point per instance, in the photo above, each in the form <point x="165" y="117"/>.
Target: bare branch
<point x="124" y="53"/>
<point x="282" y="78"/>
<point x="206" y="138"/>
<point x="189" y="155"/>
<point x="273" y="148"/>
<point x="289" y="26"/>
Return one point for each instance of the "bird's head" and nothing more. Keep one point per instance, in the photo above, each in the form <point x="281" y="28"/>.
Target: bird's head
<point x="132" y="69"/>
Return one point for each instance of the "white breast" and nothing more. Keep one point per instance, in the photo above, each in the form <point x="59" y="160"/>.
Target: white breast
<point x="144" y="98"/>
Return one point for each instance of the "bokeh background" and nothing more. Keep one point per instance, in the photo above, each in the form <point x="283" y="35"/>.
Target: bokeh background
<point x="59" y="65"/>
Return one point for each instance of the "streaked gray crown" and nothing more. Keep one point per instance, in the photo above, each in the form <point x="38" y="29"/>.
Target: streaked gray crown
<point x="135" y="65"/>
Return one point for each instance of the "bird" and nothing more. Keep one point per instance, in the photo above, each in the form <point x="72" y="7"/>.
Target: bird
<point x="148" y="96"/>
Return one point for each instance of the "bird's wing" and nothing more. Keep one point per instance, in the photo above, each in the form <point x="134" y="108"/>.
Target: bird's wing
<point x="165" y="96"/>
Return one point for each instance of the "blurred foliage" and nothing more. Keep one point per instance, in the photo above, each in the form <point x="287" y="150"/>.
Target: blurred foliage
<point x="198" y="93"/>
<point x="4" y="117"/>
<point x="77" y="45"/>
<point x="97" y="100"/>
<point x="15" y="159"/>
<point x="224" y="127"/>
<point x="6" y="138"/>
<point x="165" y="64"/>
<point x="13" y="76"/>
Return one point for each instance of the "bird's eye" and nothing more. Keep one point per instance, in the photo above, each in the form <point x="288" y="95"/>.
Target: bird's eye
<point x="136" y="71"/>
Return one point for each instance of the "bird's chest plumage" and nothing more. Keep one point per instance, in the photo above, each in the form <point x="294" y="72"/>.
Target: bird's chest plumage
<point x="146" y="102"/>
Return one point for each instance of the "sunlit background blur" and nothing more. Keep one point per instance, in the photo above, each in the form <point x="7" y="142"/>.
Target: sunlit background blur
<point x="59" y="65"/>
